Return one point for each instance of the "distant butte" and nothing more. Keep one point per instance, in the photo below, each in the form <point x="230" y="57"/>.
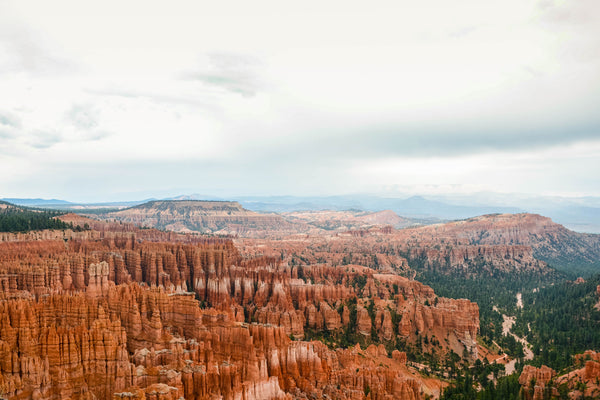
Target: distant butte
<point x="214" y="217"/>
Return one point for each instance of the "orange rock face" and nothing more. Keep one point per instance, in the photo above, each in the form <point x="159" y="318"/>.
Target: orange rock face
<point x="220" y="217"/>
<point x="534" y="380"/>
<point x="478" y="246"/>
<point x="125" y="313"/>
<point x="580" y="383"/>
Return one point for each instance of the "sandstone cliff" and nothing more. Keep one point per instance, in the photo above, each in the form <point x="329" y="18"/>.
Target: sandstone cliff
<point x="535" y="382"/>
<point x="529" y="235"/>
<point x="542" y="383"/>
<point x="216" y="217"/>
<point x="122" y="312"/>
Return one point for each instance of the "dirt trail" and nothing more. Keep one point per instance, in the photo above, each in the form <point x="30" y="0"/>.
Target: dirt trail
<point x="507" y="325"/>
<point x="519" y="300"/>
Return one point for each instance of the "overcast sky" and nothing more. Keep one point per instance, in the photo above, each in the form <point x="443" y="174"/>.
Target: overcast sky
<point x="112" y="100"/>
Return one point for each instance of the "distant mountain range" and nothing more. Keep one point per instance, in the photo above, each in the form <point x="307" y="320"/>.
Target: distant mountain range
<point x="36" y="202"/>
<point x="67" y="205"/>
<point x="415" y="206"/>
<point x="580" y="214"/>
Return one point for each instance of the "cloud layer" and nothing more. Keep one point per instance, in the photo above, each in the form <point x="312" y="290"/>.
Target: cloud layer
<point x="273" y="98"/>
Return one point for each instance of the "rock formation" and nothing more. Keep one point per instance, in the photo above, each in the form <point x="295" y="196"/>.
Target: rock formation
<point x="481" y="246"/>
<point x="535" y="380"/>
<point x="527" y="238"/>
<point x="341" y="221"/>
<point x="121" y="312"/>
<point x="542" y="383"/>
<point x="218" y="217"/>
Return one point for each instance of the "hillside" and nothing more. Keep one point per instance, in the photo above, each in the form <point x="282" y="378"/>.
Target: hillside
<point x="348" y="220"/>
<point x="336" y="292"/>
<point x="506" y="244"/>
<point x="214" y="217"/>
<point x="568" y="251"/>
<point x="15" y="218"/>
<point x="488" y="259"/>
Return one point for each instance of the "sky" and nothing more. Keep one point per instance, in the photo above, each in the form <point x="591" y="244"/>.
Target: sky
<point x="124" y="100"/>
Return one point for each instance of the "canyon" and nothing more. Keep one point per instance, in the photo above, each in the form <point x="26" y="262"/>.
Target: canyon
<point x="478" y="246"/>
<point x="121" y="312"/>
<point x="197" y="300"/>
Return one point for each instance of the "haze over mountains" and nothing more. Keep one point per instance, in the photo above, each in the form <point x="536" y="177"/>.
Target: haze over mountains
<point x="581" y="214"/>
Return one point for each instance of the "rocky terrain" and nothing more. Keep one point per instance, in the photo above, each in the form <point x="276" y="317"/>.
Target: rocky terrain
<point x="120" y="312"/>
<point x="446" y="248"/>
<point x="523" y="243"/>
<point x="581" y="381"/>
<point x="230" y="218"/>
<point x="321" y="304"/>
<point x="548" y="241"/>
<point x="478" y="246"/>
<point x="214" y="217"/>
<point x="349" y="220"/>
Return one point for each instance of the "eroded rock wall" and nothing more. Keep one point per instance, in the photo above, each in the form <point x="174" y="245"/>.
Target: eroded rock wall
<point x="113" y="315"/>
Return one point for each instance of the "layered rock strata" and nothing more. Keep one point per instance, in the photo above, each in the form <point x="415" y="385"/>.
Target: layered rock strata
<point x="115" y="314"/>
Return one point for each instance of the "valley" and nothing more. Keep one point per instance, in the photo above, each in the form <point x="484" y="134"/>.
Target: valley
<point x="507" y="325"/>
<point x="275" y="200"/>
<point x="195" y="299"/>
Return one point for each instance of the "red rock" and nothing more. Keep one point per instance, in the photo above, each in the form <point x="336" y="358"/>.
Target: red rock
<point x="592" y="370"/>
<point x="98" y="283"/>
<point x="363" y="321"/>
<point x="223" y="217"/>
<point x="538" y="377"/>
<point x="110" y="315"/>
<point x="541" y="375"/>
<point x="386" y="328"/>
<point x="580" y="383"/>
<point x="399" y="356"/>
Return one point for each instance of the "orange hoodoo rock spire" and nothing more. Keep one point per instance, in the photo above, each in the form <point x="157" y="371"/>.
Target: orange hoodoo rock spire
<point x="120" y="317"/>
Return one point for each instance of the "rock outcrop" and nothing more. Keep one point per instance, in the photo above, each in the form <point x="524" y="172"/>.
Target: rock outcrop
<point x="218" y="217"/>
<point x="133" y="313"/>
<point x="542" y="383"/>
<point x="535" y="380"/>
<point x="341" y="221"/>
<point x="480" y="246"/>
<point x="521" y="239"/>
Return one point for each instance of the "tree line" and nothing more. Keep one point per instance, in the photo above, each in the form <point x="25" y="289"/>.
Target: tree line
<point x="16" y="219"/>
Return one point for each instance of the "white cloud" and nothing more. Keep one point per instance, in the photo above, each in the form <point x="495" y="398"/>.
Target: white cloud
<point x="266" y="94"/>
<point x="525" y="172"/>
